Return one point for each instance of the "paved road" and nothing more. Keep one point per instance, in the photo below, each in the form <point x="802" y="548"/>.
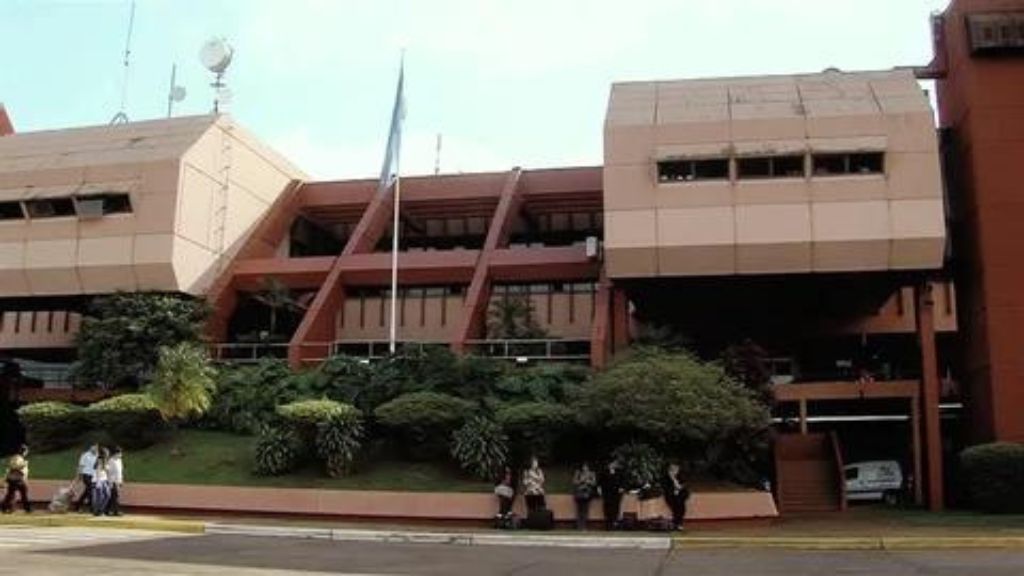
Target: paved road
<point x="213" y="554"/>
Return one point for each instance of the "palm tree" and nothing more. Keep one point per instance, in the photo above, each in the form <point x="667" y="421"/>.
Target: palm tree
<point x="183" y="382"/>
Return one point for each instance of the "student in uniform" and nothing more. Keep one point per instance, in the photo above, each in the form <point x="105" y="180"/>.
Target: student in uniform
<point x="17" y="482"/>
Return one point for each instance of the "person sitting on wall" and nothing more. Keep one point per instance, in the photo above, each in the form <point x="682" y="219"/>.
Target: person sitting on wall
<point x="533" y="486"/>
<point x="676" y="494"/>
<point x="505" y="490"/>
<point x="17" y="482"/>
<point x="584" y="488"/>
<point x="610" y="486"/>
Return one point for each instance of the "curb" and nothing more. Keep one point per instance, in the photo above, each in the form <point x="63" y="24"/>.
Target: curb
<point x="72" y="521"/>
<point x="448" y="538"/>
<point x="852" y="543"/>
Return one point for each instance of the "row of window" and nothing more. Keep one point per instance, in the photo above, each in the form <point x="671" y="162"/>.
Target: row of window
<point x="92" y="206"/>
<point x="779" y="166"/>
<point x="499" y="290"/>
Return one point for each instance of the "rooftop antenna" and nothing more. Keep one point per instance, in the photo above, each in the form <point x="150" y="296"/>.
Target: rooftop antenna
<point x="121" y="117"/>
<point x="175" y="93"/>
<point x="437" y="155"/>
<point x="215" y="56"/>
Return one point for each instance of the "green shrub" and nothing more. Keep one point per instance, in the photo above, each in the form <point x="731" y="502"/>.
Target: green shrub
<point x="312" y="412"/>
<point x="423" y="421"/>
<point x="641" y="464"/>
<point x="480" y="447"/>
<point x="541" y="383"/>
<point x="51" y="425"/>
<point x="132" y="421"/>
<point x="338" y="439"/>
<point x="278" y="451"/>
<point x="246" y="397"/>
<point x="994" y="476"/>
<point x="672" y="399"/>
<point x="535" y="426"/>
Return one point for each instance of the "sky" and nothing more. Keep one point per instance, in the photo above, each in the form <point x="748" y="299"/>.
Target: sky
<point x="504" y="82"/>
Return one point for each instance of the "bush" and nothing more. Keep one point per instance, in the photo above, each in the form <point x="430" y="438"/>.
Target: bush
<point x="542" y="383"/>
<point x="278" y="451"/>
<point x="481" y="448"/>
<point x="246" y="397"/>
<point x="338" y="439"/>
<point x="641" y="464"/>
<point x="535" y="426"/>
<point x="132" y="421"/>
<point x="423" y="421"/>
<point x="51" y="425"/>
<point x="673" y="399"/>
<point x="332" y="428"/>
<point x="994" y="476"/>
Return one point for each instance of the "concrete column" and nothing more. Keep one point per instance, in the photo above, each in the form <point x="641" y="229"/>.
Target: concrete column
<point x="803" y="416"/>
<point x="930" y="391"/>
<point x="620" y="319"/>
<point x="915" y="433"/>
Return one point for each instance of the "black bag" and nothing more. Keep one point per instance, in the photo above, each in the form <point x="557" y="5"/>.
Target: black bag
<point x="629" y="521"/>
<point x="540" y="519"/>
<point x="506" y="522"/>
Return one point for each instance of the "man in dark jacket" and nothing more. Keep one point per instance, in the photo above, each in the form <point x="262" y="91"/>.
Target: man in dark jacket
<point x="676" y="494"/>
<point x="611" y="485"/>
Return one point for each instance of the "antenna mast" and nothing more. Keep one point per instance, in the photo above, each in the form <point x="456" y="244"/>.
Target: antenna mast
<point x="122" y="117"/>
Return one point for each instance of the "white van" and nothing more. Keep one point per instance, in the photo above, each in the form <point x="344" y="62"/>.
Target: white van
<point x="874" y="480"/>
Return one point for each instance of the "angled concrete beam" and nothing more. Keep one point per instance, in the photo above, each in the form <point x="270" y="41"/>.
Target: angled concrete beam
<point x="317" y="329"/>
<point x="478" y="296"/>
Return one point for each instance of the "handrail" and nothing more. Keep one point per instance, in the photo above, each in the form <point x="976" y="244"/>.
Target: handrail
<point x="840" y="472"/>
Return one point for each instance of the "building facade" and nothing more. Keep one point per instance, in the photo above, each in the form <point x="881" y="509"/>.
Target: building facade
<point x="804" y="216"/>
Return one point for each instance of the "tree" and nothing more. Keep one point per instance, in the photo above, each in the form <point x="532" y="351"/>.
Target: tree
<point x="183" y="383"/>
<point x="674" y="400"/>
<point x="748" y="363"/>
<point x="121" y="335"/>
<point x="512" y="318"/>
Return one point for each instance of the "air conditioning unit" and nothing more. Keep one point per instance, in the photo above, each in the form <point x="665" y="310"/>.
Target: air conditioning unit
<point x="89" y="208"/>
<point x="593" y="247"/>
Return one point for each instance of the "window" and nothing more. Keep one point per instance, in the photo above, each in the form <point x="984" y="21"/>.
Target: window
<point x="690" y="170"/>
<point x="50" y="208"/>
<point x="103" y="204"/>
<point x="851" y="473"/>
<point x="857" y="163"/>
<point x="11" y="211"/>
<point x="771" y="167"/>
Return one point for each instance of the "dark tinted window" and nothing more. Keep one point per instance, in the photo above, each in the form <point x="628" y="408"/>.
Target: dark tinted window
<point x="690" y="170"/>
<point x="50" y="208"/>
<point x="11" y="211"/>
<point x="771" y="167"/>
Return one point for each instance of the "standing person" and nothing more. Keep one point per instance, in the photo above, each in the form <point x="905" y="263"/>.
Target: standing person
<point x="676" y="494"/>
<point x="611" y="486"/>
<point x="115" y="477"/>
<point x="100" y="483"/>
<point x="17" y="481"/>
<point x="584" y="487"/>
<point x="86" y="469"/>
<point x="533" y="486"/>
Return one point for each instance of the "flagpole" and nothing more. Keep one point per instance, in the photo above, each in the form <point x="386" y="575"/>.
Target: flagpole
<point x="392" y="341"/>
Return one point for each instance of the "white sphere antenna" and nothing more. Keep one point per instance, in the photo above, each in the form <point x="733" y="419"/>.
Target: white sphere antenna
<point x="215" y="55"/>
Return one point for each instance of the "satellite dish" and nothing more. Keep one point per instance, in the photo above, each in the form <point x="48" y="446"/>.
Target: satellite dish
<point x="215" y="55"/>
<point x="178" y="93"/>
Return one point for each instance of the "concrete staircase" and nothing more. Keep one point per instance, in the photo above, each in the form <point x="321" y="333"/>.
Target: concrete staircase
<point x="808" y="477"/>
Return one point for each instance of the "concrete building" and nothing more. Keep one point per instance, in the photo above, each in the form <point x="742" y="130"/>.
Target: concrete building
<point x="805" y="216"/>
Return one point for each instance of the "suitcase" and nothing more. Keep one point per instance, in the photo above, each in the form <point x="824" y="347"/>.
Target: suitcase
<point x="542" y="519"/>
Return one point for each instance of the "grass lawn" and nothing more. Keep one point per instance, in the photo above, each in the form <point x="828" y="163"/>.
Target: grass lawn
<point x="218" y="458"/>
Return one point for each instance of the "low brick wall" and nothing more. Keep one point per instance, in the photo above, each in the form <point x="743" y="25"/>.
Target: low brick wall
<point x="442" y="506"/>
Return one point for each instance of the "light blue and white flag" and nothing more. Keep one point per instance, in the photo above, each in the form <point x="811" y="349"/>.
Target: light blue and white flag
<point x="389" y="171"/>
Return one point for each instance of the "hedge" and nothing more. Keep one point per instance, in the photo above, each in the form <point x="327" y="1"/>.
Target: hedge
<point x="51" y="425"/>
<point x="132" y="421"/>
<point x="994" y="476"/>
<point x="423" y="421"/>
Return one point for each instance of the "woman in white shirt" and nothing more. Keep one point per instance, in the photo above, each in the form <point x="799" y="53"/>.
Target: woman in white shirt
<point x="115" y="478"/>
<point x="100" y="483"/>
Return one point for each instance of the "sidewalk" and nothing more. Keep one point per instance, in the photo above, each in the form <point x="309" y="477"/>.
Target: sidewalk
<point x="870" y="529"/>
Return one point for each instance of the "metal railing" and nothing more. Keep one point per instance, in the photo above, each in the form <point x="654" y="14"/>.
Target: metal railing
<point x="248" y="352"/>
<point x="536" y="349"/>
